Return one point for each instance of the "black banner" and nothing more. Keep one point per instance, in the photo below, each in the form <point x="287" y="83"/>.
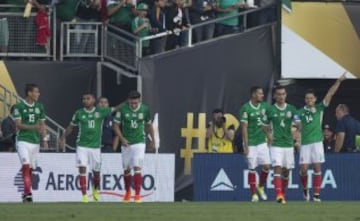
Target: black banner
<point x="184" y="86"/>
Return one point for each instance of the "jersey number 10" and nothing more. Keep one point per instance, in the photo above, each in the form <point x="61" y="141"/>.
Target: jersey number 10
<point x="91" y="124"/>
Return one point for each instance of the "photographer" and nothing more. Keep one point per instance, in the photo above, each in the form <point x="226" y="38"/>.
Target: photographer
<point x="219" y="134"/>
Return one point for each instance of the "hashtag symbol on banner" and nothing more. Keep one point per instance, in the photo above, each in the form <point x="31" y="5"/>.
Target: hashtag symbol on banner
<point x="190" y="134"/>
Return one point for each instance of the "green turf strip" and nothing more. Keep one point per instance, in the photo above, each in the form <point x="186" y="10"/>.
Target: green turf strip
<point x="292" y="211"/>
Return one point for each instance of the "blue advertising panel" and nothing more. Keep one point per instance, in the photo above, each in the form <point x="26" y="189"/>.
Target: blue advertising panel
<point x="223" y="177"/>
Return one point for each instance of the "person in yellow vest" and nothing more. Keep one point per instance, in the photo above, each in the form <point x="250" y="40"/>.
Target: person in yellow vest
<point x="219" y="135"/>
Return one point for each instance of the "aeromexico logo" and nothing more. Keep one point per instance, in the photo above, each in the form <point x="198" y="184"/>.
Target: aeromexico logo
<point x="110" y="184"/>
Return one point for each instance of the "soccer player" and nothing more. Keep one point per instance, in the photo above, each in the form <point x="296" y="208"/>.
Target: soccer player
<point x="135" y="122"/>
<point x="281" y="116"/>
<point x="252" y="116"/>
<point x="89" y="119"/>
<point x="309" y="120"/>
<point x="29" y="117"/>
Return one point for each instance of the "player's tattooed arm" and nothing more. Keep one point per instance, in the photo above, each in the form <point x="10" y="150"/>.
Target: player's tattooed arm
<point x="44" y="135"/>
<point x="244" y="131"/>
<point x="117" y="131"/>
<point x="333" y="89"/>
<point x="69" y="129"/>
<point x="267" y="131"/>
<point x="20" y="126"/>
<point x="150" y="130"/>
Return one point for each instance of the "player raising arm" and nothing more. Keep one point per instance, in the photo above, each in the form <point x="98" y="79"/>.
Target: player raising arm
<point x="89" y="119"/>
<point x="29" y="117"/>
<point x="134" y="120"/>
<point x="309" y="122"/>
<point x="252" y="116"/>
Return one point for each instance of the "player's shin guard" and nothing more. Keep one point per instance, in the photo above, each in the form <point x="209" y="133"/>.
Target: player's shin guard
<point x="317" y="179"/>
<point x="252" y="181"/>
<point x="82" y="181"/>
<point x="127" y="181"/>
<point x="263" y="177"/>
<point x="137" y="181"/>
<point x="26" y="174"/>
<point x="285" y="183"/>
<point x="278" y="185"/>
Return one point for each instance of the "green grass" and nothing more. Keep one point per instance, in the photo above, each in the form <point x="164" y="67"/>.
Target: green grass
<point x="292" y="211"/>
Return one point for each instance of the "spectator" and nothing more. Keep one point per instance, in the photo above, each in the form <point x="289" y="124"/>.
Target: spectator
<point x="219" y="134"/>
<point x="8" y="130"/>
<point x="178" y="23"/>
<point x="158" y="22"/>
<point x="346" y="130"/>
<point x="108" y="139"/>
<point x="202" y="11"/>
<point x="141" y="26"/>
<point x="329" y="139"/>
<point x="43" y="30"/>
<point x="121" y="13"/>
<point x="227" y="8"/>
<point x="66" y="9"/>
<point x="269" y="14"/>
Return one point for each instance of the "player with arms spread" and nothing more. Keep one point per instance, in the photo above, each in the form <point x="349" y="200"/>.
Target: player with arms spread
<point x="252" y="116"/>
<point x="89" y="119"/>
<point x="309" y="122"/>
<point x="29" y="117"/>
<point x="280" y="117"/>
<point x="134" y="119"/>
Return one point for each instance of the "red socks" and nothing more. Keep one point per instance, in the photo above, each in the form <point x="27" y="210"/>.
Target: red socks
<point x="137" y="182"/>
<point x="82" y="180"/>
<point x="304" y="181"/>
<point x="317" y="179"/>
<point x="27" y="178"/>
<point x="278" y="184"/>
<point x="263" y="176"/>
<point x="252" y="181"/>
<point x="127" y="181"/>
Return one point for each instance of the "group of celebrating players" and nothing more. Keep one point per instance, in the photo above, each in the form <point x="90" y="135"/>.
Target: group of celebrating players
<point x="281" y="127"/>
<point x="262" y="125"/>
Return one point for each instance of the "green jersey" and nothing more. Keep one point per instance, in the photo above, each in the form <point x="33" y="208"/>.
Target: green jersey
<point x="90" y="126"/>
<point x="123" y="16"/>
<point x="255" y="118"/>
<point x="281" y="120"/>
<point x="136" y="23"/>
<point x="311" y="121"/>
<point x="133" y="122"/>
<point x="29" y="114"/>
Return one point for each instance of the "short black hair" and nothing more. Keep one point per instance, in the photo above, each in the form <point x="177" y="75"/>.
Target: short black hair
<point x="253" y="89"/>
<point x="217" y="110"/>
<point x="310" y="91"/>
<point x="30" y="87"/>
<point x="279" y="87"/>
<point x="134" y="95"/>
<point x="89" y="93"/>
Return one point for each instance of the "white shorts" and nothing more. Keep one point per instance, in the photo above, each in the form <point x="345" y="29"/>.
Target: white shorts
<point x="258" y="155"/>
<point x="133" y="156"/>
<point x="312" y="153"/>
<point x="282" y="156"/>
<point x="88" y="156"/>
<point x="28" y="153"/>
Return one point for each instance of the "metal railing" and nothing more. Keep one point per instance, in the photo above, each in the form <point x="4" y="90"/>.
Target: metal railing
<point x="54" y="130"/>
<point x="19" y="33"/>
<point x="124" y="48"/>
<point x="81" y="39"/>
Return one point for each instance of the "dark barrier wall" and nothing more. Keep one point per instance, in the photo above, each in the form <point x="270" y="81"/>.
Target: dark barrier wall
<point x="186" y="85"/>
<point x="223" y="177"/>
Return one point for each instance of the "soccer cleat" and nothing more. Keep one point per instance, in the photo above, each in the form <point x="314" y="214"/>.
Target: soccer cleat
<point x="127" y="197"/>
<point x="96" y="195"/>
<point x="85" y="199"/>
<point x="27" y="198"/>
<point x="306" y="195"/>
<point x="316" y="198"/>
<point x="281" y="199"/>
<point x="262" y="192"/>
<point x="254" y="198"/>
<point x="137" y="199"/>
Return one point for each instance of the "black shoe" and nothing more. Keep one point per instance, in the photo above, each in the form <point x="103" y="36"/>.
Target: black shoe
<point x="27" y="198"/>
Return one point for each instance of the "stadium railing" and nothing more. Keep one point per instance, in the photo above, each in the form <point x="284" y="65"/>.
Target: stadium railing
<point x="81" y="39"/>
<point x="18" y="34"/>
<point x="55" y="130"/>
